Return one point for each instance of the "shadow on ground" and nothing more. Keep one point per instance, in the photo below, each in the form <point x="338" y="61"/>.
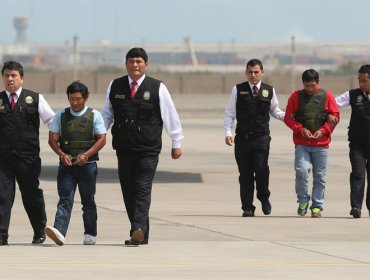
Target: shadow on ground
<point x="110" y="175"/>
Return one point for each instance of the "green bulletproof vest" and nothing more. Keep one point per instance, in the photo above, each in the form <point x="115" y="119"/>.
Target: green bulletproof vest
<point x="311" y="110"/>
<point x="77" y="133"/>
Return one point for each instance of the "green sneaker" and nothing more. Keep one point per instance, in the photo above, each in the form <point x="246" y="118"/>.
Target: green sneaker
<point x="302" y="209"/>
<point x="316" y="212"/>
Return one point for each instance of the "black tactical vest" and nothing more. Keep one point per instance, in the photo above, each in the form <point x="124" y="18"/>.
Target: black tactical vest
<point x="19" y="130"/>
<point x="77" y="133"/>
<point x="137" y="121"/>
<point x="359" y="125"/>
<point x="252" y="112"/>
<point x="311" y="110"/>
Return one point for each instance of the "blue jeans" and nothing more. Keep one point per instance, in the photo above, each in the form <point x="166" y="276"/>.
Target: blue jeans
<point x="307" y="158"/>
<point x="68" y="179"/>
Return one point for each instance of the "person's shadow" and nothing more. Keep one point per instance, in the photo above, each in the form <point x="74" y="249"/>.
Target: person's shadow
<point x="110" y="175"/>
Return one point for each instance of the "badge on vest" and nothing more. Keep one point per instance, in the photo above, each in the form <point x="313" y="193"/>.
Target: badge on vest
<point x="359" y="99"/>
<point x="120" y="96"/>
<point x="265" y="93"/>
<point x="146" y="95"/>
<point x="244" y="93"/>
<point x="29" y="100"/>
<point x="2" y="106"/>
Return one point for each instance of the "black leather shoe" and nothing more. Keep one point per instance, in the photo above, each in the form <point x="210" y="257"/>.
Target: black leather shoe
<point x="130" y="242"/>
<point x="248" y="213"/>
<point x="38" y="239"/>
<point x="266" y="207"/>
<point x="3" y="242"/>
<point x="355" y="212"/>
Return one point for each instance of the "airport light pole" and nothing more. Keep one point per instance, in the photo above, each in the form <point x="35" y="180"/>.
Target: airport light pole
<point x="292" y="74"/>
<point x="75" y="58"/>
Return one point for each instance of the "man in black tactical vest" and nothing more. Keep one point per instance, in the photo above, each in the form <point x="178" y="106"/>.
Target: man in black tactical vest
<point x="252" y="103"/>
<point x="20" y="113"/>
<point x="76" y="135"/>
<point x="139" y="106"/>
<point x="359" y="139"/>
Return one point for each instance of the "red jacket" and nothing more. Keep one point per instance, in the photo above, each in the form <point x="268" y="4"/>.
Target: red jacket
<point x="292" y="107"/>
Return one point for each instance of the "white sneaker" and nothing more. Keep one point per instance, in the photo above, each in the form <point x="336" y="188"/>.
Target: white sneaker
<point x="89" y="239"/>
<point x="55" y="235"/>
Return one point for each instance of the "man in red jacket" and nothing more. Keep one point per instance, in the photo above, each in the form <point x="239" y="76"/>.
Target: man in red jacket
<point x="306" y="114"/>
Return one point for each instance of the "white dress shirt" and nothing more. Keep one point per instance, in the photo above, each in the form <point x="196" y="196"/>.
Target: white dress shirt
<point x="170" y="118"/>
<point x="343" y="99"/>
<point x="45" y="112"/>
<point x="230" y="111"/>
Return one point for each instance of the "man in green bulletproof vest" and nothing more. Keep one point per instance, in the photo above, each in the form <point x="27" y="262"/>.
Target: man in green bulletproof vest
<point x="76" y="135"/>
<point x="306" y="114"/>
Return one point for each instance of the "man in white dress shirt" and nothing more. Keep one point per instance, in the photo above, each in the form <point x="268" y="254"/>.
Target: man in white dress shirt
<point x="139" y="106"/>
<point x="251" y="103"/>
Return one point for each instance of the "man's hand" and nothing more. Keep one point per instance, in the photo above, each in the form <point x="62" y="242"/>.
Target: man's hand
<point x="66" y="159"/>
<point x="332" y="120"/>
<point x="81" y="159"/>
<point x="229" y="140"/>
<point x="176" y="153"/>
<point x="306" y="133"/>
<point x="318" y="134"/>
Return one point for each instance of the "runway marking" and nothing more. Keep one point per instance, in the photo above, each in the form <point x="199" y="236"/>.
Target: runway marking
<point x="198" y="263"/>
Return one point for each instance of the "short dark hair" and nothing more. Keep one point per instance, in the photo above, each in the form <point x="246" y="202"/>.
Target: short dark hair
<point x="137" y="52"/>
<point x="364" y="69"/>
<point x="310" y="75"/>
<point x="13" y="65"/>
<point x="77" y="86"/>
<point x="254" y="62"/>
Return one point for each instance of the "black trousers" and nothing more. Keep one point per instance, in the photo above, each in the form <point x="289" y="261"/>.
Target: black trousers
<point x="359" y="157"/>
<point x="252" y="158"/>
<point x="136" y="173"/>
<point x="26" y="172"/>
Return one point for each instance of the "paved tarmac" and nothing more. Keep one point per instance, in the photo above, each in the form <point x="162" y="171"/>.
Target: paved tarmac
<point x="197" y="231"/>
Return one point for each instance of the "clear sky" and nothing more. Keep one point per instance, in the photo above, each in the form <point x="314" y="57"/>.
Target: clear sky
<point x="170" y="21"/>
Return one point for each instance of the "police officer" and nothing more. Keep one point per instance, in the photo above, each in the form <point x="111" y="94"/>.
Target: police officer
<point x="76" y="135"/>
<point x="20" y="113"/>
<point x="139" y="106"/>
<point x="252" y="103"/>
<point x="359" y="139"/>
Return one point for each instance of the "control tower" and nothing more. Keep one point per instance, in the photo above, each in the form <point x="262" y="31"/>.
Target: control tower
<point x="20" y="23"/>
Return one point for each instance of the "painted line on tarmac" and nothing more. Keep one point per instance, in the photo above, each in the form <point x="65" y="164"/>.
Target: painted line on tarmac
<point x="198" y="263"/>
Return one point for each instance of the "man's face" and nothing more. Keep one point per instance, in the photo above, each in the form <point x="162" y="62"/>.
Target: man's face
<point x="77" y="101"/>
<point x="12" y="80"/>
<point x="254" y="74"/>
<point x="136" y="67"/>
<point x="364" y="82"/>
<point x="310" y="87"/>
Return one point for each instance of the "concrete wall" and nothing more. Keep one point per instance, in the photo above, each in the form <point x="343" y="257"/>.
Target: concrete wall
<point x="180" y="83"/>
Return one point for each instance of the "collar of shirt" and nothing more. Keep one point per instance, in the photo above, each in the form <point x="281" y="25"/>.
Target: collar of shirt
<point x="77" y="114"/>
<point x="258" y="85"/>
<point x="138" y="81"/>
<point x="18" y="92"/>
